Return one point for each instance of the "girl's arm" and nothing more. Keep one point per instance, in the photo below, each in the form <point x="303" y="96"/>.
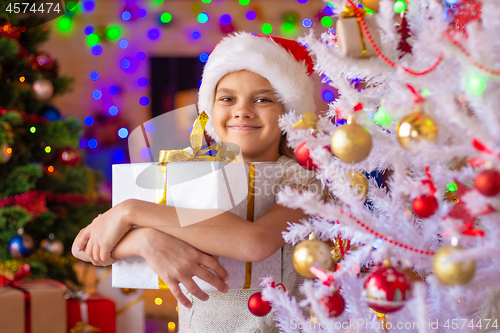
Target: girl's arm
<point x="221" y="234"/>
<point x="173" y="260"/>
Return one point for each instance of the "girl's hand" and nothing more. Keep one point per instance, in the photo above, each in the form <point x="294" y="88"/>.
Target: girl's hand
<point x="100" y="237"/>
<point x="177" y="262"/>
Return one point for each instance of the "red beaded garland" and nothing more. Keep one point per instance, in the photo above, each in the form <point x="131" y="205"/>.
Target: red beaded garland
<point x="381" y="55"/>
<point x="385" y="239"/>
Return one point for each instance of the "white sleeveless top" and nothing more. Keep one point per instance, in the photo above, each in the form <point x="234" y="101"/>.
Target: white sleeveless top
<point x="228" y="313"/>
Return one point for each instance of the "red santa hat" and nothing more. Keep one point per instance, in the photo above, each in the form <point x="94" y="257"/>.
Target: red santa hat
<point x="286" y="64"/>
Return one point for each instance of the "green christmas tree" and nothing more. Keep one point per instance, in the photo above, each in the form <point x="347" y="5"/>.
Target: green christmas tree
<point x="45" y="190"/>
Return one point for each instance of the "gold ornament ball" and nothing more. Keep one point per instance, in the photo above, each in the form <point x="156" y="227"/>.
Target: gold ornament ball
<point x="351" y="143"/>
<point x="371" y="4"/>
<point x="358" y="183"/>
<point x="310" y="253"/>
<point x="452" y="273"/>
<point x="416" y="127"/>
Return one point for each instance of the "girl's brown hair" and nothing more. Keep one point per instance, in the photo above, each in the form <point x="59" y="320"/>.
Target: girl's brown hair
<point x="284" y="149"/>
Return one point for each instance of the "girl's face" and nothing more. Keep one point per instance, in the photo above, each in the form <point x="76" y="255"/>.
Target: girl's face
<point x="246" y="112"/>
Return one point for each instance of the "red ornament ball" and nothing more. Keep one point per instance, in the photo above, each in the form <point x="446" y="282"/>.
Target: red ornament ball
<point x="487" y="182"/>
<point x="43" y="61"/>
<point x="69" y="156"/>
<point x="386" y="289"/>
<point x="334" y="303"/>
<point x="257" y="306"/>
<point x="425" y="206"/>
<point x="303" y="158"/>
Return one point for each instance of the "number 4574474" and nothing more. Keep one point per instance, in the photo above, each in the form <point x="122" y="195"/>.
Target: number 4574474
<point x="24" y="7"/>
<point x="462" y="323"/>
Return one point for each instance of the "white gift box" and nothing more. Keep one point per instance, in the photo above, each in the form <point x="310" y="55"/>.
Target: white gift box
<point x="221" y="186"/>
<point x="352" y="39"/>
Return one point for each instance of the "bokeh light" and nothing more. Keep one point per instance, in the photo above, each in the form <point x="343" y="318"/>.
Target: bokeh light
<point x="119" y="156"/>
<point x="140" y="56"/>
<point x="328" y="95"/>
<point x="125" y="63"/>
<point x="142" y="81"/>
<point x="113" y="110"/>
<point x="266" y="28"/>
<point x="225" y="19"/>
<point x="64" y="24"/>
<point x="244" y="2"/>
<point x="382" y="117"/>
<point x="145" y="153"/>
<point x="142" y="12"/>
<point x="123" y="44"/>
<point x="94" y="75"/>
<point x="96" y="94"/>
<point x="203" y="57"/>
<point x="149" y="127"/>
<point x="88" y="30"/>
<point x="326" y="21"/>
<point x="88" y="5"/>
<point x="144" y="101"/>
<point x="89" y="121"/>
<point x="83" y="143"/>
<point x="92" y="143"/>
<point x="93" y="39"/>
<point x="123" y="132"/>
<point x="251" y="15"/>
<point x="399" y="6"/>
<point x="196" y="35"/>
<point x="166" y="17"/>
<point x="113" y="90"/>
<point x="307" y="23"/>
<point x="96" y="50"/>
<point x="113" y="32"/>
<point x="126" y="15"/>
<point x="153" y="34"/>
<point x="203" y="18"/>
<point x="476" y="84"/>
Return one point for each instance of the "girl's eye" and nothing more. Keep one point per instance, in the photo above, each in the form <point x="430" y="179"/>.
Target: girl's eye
<point x="226" y="99"/>
<point x="263" y="100"/>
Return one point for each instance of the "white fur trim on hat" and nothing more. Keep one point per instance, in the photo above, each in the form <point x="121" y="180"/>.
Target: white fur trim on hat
<point x="263" y="56"/>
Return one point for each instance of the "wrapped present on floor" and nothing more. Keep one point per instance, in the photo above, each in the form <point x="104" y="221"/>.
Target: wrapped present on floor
<point x="247" y="190"/>
<point x="130" y="313"/>
<point x="352" y="40"/>
<point x="90" y="313"/>
<point x="43" y="304"/>
<point x="11" y="310"/>
<point x="129" y="303"/>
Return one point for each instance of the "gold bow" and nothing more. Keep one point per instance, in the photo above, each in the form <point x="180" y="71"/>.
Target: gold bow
<point x="349" y="12"/>
<point x="84" y="328"/>
<point x="308" y="120"/>
<point x="198" y="154"/>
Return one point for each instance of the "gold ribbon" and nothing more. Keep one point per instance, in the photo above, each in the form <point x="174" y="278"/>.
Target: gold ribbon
<point x="348" y="13"/>
<point x="197" y="154"/>
<point x="250" y="217"/>
<point x="103" y="276"/>
<point x="129" y="305"/>
<point x="84" y="328"/>
<point x="308" y="120"/>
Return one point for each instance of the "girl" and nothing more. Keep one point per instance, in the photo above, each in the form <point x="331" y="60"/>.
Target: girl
<point x="248" y="82"/>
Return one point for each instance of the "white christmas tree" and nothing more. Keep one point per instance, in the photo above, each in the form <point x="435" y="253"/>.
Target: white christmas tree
<point x="427" y="114"/>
